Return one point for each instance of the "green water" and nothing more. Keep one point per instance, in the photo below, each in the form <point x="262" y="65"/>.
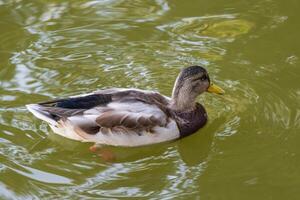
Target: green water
<point x="248" y="150"/>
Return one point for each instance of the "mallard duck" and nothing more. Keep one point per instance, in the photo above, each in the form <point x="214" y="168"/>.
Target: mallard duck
<point x="131" y="117"/>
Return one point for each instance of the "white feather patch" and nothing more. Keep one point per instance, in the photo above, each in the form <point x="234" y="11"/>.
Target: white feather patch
<point x="36" y="110"/>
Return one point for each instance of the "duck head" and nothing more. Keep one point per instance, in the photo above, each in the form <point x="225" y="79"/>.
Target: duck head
<point x="191" y="82"/>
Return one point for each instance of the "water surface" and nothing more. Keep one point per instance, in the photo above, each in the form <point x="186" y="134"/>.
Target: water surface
<point x="248" y="150"/>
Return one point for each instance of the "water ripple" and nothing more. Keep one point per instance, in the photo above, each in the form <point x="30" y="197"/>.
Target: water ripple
<point x="208" y="28"/>
<point x="87" y="45"/>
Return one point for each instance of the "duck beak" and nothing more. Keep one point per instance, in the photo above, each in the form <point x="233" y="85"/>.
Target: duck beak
<point x="215" y="89"/>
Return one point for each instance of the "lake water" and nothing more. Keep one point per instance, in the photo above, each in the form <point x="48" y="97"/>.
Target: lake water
<point x="250" y="148"/>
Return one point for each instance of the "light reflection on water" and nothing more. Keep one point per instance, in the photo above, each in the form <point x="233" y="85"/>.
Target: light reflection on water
<point x="59" y="49"/>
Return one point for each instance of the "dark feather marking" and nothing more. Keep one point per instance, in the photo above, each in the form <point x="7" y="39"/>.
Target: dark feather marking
<point x="74" y="106"/>
<point x="59" y="113"/>
<point x="85" y="102"/>
<point x="92" y="130"/>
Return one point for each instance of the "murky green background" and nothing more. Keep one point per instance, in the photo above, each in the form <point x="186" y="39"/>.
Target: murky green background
<point x="250" y="149"/>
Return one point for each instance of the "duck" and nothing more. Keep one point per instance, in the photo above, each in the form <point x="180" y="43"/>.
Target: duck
<point x="131" y="117"/>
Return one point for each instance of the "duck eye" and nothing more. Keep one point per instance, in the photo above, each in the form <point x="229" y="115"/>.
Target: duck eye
<point x="203" y="78"/>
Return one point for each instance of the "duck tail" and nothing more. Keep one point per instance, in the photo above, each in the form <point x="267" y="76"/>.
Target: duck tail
<point x="37" y="110"/>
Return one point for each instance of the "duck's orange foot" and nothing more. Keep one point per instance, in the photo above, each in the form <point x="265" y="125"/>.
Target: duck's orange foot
<point x="103" y="152"/>
<point x="107" y="155"/>
<point x="94" y="148"/>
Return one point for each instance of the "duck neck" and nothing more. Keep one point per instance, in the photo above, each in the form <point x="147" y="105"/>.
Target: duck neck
<point x="183" y="100"/>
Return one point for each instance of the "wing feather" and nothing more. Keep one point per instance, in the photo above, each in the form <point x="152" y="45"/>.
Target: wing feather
<point x="129" y="120"/>
<point x="122" y="109"/>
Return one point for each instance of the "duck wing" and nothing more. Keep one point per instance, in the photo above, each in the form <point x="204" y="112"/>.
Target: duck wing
<point x="103" y="97"/>
<point x="127" y="110"/>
